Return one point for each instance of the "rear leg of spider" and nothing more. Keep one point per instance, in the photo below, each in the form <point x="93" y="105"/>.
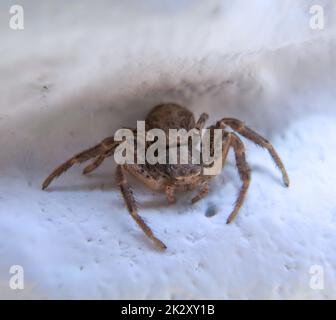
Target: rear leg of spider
<point x="132" y="208"/>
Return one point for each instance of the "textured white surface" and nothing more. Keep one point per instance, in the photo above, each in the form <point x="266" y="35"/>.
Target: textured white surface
<point x="73" y="77"/>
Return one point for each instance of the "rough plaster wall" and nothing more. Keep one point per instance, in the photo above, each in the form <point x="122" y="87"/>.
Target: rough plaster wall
<point x="75" y="75"/>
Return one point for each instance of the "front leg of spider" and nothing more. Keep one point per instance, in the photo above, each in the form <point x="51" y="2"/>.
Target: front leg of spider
<point x="170" y="193"/>
<point x="132" y="208"/>
<point x="108" y="144"/>
<point x="243" y="170"/>
<point x="202" y="193"/>
<point x="255" y="137"/>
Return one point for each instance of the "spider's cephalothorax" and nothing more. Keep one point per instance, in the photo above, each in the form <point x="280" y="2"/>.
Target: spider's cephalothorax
<point x="172" y="177"/>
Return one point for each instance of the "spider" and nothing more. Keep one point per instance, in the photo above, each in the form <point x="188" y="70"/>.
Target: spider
<point x="179" y="177"/>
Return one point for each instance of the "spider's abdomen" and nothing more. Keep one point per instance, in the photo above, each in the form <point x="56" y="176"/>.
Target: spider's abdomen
<point x="170" y="116"/>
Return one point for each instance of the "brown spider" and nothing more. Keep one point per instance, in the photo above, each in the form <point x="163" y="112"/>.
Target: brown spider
<point x="168" y="177"/>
